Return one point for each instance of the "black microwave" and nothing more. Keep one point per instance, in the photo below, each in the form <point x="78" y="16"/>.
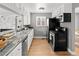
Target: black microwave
<point x="65" y="17"/>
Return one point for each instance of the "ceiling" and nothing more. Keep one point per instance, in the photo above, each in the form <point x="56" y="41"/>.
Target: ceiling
<point x="36" y="6"/>
<point x="32" y="7"/>
<point x="5" y="12"/>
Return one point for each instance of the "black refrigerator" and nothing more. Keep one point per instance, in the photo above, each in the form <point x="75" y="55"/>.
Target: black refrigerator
<point x="53" y="24"/>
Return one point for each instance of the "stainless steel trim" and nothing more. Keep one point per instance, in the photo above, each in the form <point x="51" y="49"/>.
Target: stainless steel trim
<point x="52" y="35"/>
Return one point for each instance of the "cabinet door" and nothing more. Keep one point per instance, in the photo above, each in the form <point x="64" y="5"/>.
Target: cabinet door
<point x="28" y="18"/>
<point x="30" y="38"/>
<point x="31" y="35"/>
<point x="24" y="47"/>
<point x="25" y="20"/>
<point x="17" y="51"/>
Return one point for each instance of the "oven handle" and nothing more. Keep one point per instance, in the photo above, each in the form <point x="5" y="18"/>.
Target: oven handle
<point x="53" y="40"/>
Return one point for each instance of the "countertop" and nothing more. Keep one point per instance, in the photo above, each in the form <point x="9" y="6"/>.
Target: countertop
<point x="51" y="31"/>
<point x="15" y="40"/>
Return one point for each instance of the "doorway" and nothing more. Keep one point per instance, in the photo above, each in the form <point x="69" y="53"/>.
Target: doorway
<point x="40" y="29"/>
<point x="77" y="31"/>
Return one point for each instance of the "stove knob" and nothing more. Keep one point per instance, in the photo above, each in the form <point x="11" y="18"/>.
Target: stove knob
<point x="64" y="29"/>
<point x="56" y="29"/>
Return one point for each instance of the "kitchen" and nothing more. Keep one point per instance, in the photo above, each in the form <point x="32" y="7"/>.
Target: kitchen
<point x="23" y="25"/>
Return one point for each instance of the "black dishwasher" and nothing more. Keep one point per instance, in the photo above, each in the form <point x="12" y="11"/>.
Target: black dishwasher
<point x="24" y="46"/>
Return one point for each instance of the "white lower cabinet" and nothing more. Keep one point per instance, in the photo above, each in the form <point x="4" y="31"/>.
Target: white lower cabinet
<point x="30" y="38"/>
<point x="17" y="51"/>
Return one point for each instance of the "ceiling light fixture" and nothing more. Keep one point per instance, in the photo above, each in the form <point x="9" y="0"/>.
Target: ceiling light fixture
<point x="41" y="8"/>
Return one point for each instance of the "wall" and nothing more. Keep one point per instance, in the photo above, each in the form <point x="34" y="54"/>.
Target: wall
<point x="71" y="29"/>
<point x="7" y="22"/>
<point x="39" y="31"/>
<point x="72" y="41"/>
<point x="68" y="26"/>
<point x="67" y="8"/>
<point x="72" y="46"/>
<point x="77" y="21"/>
<point x="8" y="19"/>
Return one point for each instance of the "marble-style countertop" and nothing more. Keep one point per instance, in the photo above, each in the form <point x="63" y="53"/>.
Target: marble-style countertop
<point x="15" y="40"/>
<point x="2" y="33"/>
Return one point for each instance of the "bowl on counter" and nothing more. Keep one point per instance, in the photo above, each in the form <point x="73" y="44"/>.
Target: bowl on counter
<point x="3" y="42"/>
<point x="6" y="39"/>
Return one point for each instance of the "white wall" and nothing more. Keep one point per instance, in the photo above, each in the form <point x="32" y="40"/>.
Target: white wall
<point x="65" y="8"/>
<point x="77" y="21"/>
<point x="7" y="22"/>
<point x="68" y="26"/>
<point x="8" y="11"/>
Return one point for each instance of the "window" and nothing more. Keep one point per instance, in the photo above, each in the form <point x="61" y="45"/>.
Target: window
<point x="41" y="21"/>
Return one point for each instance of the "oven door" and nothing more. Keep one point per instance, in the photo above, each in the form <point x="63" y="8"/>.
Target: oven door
<point x="52" y="40"/>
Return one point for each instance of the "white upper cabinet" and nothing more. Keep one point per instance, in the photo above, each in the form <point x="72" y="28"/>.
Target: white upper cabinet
<point x="27" y="18"/>
<point x="65" y="8"/>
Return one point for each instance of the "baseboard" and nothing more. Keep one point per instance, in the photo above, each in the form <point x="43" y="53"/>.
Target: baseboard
<point x="71" y="52"/>
<point x="40" y="37"/>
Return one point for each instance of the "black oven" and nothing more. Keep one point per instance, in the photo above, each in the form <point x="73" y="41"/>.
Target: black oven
<point x="52" y="39"/>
